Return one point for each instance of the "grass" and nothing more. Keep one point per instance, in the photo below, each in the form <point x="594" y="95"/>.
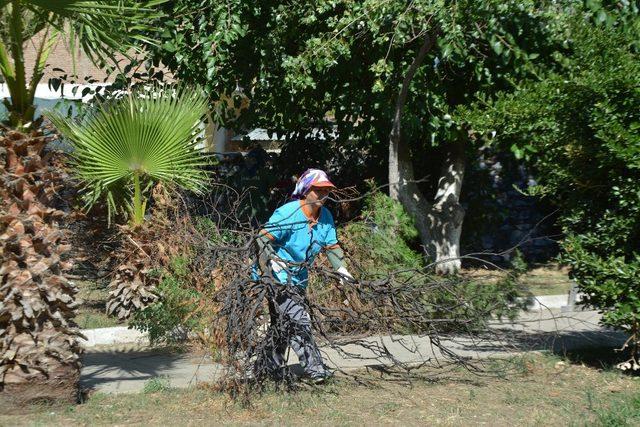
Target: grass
<point x="548" y="279"/>
<point x="92" y="312"/>
<point x="92" y="320"/>
<point x="546" y="391"/>
<point x="622" y="411"/>
<point x="155" y="385"/>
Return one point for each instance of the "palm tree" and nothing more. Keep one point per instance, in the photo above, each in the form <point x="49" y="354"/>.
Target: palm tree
<point x="122" y="149"/>
<point x="124" y="146"/>
<point x="39" y="350"/>
<point x="99" y="27"/>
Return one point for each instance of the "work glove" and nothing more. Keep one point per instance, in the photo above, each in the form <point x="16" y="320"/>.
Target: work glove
<point x="345" y="276"/>
<point x="277" y="265"/>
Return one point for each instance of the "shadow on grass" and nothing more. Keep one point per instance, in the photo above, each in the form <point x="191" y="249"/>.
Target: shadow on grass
<point x="605" y="358"/>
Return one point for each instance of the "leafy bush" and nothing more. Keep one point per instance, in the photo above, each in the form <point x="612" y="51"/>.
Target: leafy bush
<point x="168" y="319"/>
<point x="580" y="131"/>
<point x="382" y="241"/>
<point x="609" y="282"/>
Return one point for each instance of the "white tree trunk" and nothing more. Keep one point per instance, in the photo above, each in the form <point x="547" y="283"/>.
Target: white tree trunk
<point x="439" y="224"/>
<point x="446" y="215"/>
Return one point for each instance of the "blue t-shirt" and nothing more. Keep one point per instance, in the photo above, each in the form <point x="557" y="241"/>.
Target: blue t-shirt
<point x="297" y="238"/>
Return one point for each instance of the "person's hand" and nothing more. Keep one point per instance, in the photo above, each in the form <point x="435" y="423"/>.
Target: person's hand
<point x="345" y="276"/>
<point x="277" y="265"/>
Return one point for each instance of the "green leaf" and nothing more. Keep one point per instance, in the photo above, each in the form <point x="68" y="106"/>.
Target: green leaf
<point x="151" y="134"/>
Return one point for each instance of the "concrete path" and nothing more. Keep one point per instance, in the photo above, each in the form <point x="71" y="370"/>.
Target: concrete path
<point x="122" y="335"/>
<point x="128" y="370"/>
<point x="122" y="371"/>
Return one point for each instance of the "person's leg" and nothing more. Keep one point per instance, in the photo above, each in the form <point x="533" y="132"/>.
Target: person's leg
<point x="269" y="349"/>
<point x="273" y="362"/>
<point x="293" y="307"/>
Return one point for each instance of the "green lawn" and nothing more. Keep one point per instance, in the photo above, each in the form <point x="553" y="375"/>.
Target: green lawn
<point x="546" y="391"/>
<point x="91" y="313"/>
<point x="548" y="279"/>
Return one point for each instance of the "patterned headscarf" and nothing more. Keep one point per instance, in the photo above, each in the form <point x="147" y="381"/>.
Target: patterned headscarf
<point x="310" y="178"/>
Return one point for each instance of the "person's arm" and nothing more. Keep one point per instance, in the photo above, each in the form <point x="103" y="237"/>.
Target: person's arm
<point x="276" y="231"/>
<point x="335" y="254"/>
<point x="267" y="258"/>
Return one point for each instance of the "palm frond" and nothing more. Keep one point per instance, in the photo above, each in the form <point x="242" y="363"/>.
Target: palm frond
<point x="99" y="27"/>
<point x="152" y="134"/>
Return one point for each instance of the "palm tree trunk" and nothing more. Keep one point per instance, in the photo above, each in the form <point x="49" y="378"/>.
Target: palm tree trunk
<point x="138" y="209"/>
<point x="39" y="348"/>
<point x="21" y="109"/>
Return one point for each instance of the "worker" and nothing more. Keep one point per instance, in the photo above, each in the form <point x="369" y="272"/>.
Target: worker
<point x="288" y="244"/>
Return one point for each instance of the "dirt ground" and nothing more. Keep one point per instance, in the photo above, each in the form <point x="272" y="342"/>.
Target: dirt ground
<point x="547" y="390"/>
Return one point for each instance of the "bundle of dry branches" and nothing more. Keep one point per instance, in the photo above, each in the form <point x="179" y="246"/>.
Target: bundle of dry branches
<point x="351" y="320"/>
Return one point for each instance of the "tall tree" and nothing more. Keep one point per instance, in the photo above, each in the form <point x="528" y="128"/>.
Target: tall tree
<point x="99" y="27"/>
<point x="579" y="131"/>
<point x="391" y="74"/>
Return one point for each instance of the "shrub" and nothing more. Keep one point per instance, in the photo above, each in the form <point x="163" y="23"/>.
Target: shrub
<point x="382" y="241"/>
<point x="580" y="131"/>
<point x="168" y="319"/>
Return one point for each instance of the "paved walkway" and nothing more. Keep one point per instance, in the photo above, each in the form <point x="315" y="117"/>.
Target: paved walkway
<point x="123" y="371"/>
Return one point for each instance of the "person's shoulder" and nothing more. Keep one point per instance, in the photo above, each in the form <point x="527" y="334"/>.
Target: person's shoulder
<point x="290" y="206"/>
<point x="288" y="209"/>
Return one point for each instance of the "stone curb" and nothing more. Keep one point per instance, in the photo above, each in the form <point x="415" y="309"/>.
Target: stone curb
<point x="565" y="302"/>
<point x="113" y="336"/>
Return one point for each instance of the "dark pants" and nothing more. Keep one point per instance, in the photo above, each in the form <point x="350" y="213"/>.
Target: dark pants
<point x="291" y="326"/>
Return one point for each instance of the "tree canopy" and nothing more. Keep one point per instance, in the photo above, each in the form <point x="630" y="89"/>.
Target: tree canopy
<point x="304" y="61"/>
<point x="579" y="129"/>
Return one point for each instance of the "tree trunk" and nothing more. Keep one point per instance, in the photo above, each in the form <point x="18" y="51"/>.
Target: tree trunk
<point x="446" y="214"/>
<point x="438" y="224"/>
<point x="39" y="348"/>
<point x="401" y="181"/>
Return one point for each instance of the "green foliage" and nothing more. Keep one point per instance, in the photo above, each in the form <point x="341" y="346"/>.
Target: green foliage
<point x="216" y="235"/>
<point x="610" y="282"/>
<point x="99" y="27"/>
<point x="383" y="240"/>
<point x="475" y="302"/>
<point x="580" y="131"/>
<point x="175" y="312"/>
<point x="157" y="385"/>
<point x="347" y="59"/>
<point x="124" y="146"/>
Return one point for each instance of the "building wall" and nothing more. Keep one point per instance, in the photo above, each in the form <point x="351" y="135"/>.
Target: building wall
<point x="61" y="57"/>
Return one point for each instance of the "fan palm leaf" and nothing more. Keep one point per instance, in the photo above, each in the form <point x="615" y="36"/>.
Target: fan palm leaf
<point x="124" y="146"/>
<point x="99" y="27"/>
